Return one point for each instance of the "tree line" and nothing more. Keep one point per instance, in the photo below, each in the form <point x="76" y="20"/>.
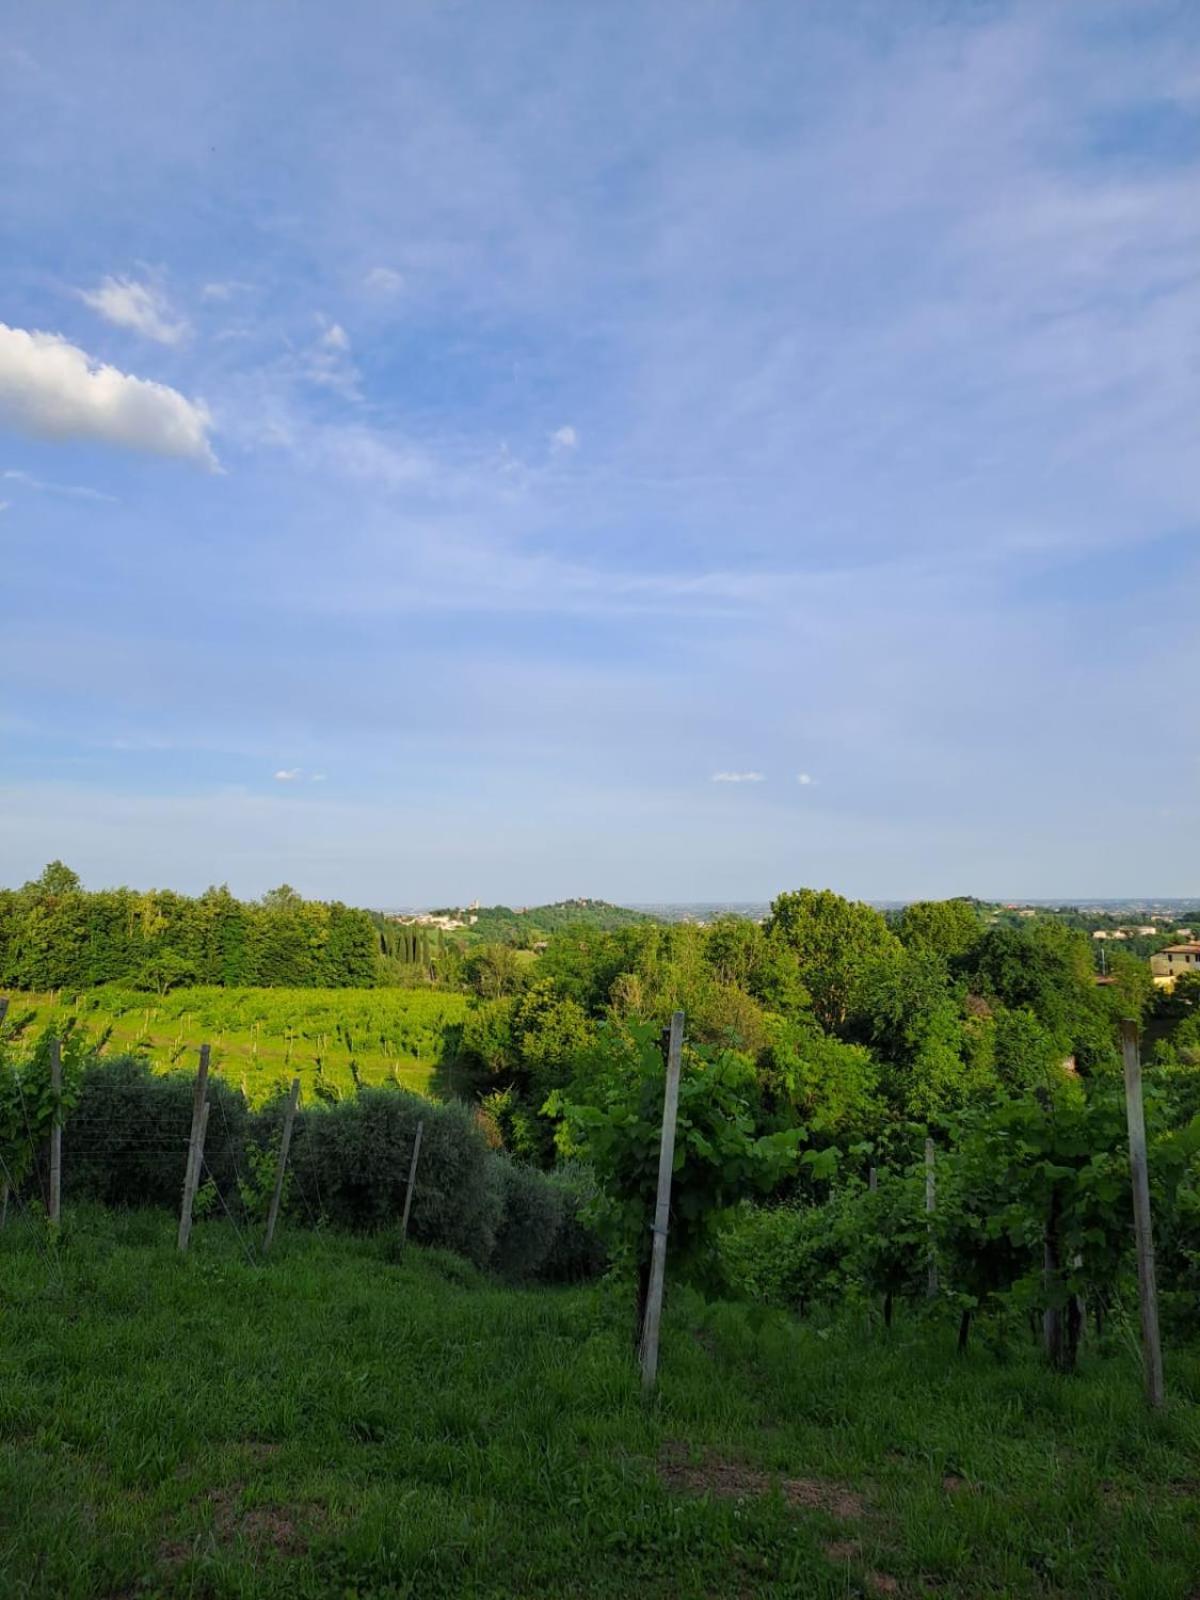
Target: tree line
<point x="54" y="934"/>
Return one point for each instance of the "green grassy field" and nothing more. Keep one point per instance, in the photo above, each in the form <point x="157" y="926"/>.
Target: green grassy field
<point x="262" y="1038"/>
<point x="338" y="1424"/>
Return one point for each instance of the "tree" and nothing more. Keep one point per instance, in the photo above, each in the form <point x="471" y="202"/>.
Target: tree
<point x="494" y="970"/>
<point x="281" y="898"/>
<point x="56" y="878"/>
<point x="164" y="971"/>
<point x="950" y="927"/>
<point x="833" y="941"/>
<point x="828" y="1086"/>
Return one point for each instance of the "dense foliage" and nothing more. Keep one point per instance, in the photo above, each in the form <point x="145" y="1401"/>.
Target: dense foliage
<point x="825" y="1045"/>
<point x="125" y="1135"/>
<point x="56" y="935"/>
<point x="531" y="925"/>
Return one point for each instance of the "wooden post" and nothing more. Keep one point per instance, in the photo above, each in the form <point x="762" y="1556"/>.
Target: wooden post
<point x="285" y="1141"/>
<point x="191" y="1178"/>
<point x="412" y="1182"/>
<point x="55" y="1206"/>
<point x="662" y="1207"/>
<point x="4" y="1186"/>
<point x="931" y="1286"/>
<point x="872" y="1179"/>
<point x="1143" y="1230"/>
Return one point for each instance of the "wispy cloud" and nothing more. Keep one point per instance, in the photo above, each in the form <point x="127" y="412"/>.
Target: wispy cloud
<point x="329" y="364"/>
<point x="140" y="306"/>
<point x="646" y="450"/>
<point x="385" y="280"/>
<point x="53" y="390"/>
<point x="288" y="775"/>
<point x="74" y="491"/>
<point x="223" y="289"/>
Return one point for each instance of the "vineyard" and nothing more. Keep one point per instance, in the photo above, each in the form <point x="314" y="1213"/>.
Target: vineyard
<point x="330" y="1039"/>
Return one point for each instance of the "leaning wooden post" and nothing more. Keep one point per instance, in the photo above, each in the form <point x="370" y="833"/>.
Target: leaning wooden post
<point x="55" y="1207"/>
<point x="3" y="1008"/>
<point x="285" y="1141"/>
<point x="1142" y="1227"/>
<point x="662" y="1206"/>
<point x="412" y="1182"/>
<point x="191" y="1179"/>
<point x="931" y="1286"/>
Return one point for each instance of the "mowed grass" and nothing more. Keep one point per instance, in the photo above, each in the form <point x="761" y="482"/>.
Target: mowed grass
<point x="262" y="1038"/>
<point x="340" y="1422"/>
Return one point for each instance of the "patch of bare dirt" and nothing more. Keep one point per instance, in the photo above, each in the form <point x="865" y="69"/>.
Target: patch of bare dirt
<point x="284" y="1529"/>
<point x="883" y="1583"/>
<point x="843" y="1550"/>
<point x="734" y="1480"/>
<point x="954" y="1483"/>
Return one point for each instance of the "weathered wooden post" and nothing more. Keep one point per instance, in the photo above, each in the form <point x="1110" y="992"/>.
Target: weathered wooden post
<point x="872" y="1179"/>
<point x="662" y="1207"/>
<point x="191" y="1179"/>
<point x="412" y="1182"/>
<point x="1135" y="1115"/>
<point x="931" y="1286"/>
<point x="285" y="1141"/>
<point x="4" y="1185"/>
<point x="55" y="1206"/>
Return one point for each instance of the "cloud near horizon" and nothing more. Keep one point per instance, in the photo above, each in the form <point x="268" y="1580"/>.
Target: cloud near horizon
<point x="739" y="777"/>
<point x="53" y="390"/>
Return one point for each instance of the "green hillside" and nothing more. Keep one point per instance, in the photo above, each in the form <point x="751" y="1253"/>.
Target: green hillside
<point x="504" y="925"/>
<point x="262" y="1038"/>
<point x="343" y="1423"/>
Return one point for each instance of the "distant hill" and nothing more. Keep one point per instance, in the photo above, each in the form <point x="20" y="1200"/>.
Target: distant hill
<point x="504" y="925"/>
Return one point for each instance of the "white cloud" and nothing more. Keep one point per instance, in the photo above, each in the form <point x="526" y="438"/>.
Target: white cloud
<point x="222" y="290"/>
<point x="54" y="390"/>
<point x="386" y="280"/>
<point x="738" y="777"/>
<point x="317" y="777"/>
<point x="138" y="306"/>
<point x="77" y="491"/>
<point x="805" y="779"/>
<point x="288" y="775"/>
<point x="328" y="362"/>
<point x="564" y="438"/>
<point x="5" y="504"/>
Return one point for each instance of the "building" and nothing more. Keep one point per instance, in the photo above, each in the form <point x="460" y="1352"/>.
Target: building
<point x="1174" y="961"/>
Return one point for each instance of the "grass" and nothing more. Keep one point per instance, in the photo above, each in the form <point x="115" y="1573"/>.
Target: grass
<point x="262" y="1038"/>
<point x="343" y="1423"/>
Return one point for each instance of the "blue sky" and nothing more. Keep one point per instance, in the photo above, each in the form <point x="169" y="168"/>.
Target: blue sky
<point x="661" y="452"/>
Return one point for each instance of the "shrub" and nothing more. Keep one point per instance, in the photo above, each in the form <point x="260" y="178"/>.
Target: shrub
<point x="578" y="1252"/>
<point x="125" y="1142"/>
<point x="783" y="1256"/>
<point x="352" y="1160"/>
<point x="532" y="1217"/>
